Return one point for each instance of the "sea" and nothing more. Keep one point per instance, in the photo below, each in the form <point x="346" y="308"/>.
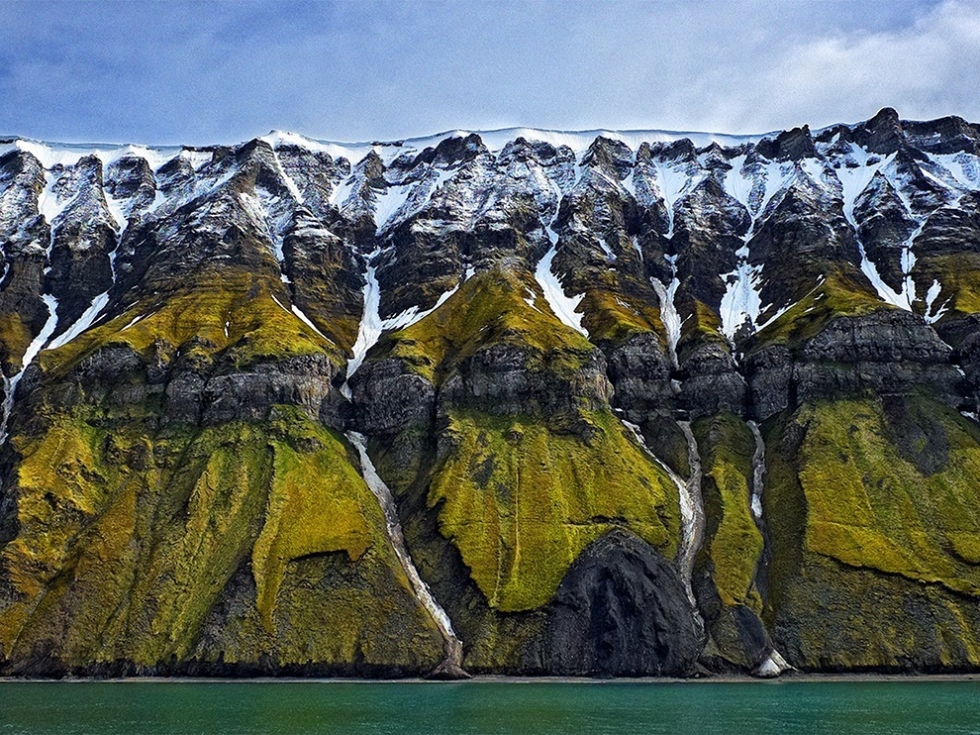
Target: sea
<point x="536" y="707"/>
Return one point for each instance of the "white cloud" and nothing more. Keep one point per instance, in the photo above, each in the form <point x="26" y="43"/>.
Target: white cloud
<point x="223" y="72"/>
<point x="926" y="70"/>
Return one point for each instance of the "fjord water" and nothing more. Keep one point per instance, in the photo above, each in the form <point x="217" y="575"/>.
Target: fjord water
<point x="541" y="708"/>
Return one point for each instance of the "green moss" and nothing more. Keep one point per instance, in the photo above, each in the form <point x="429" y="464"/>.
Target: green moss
<point x="130" y="542"/>
<point x="869" y="565"/>
<point x="733" y="543"/>
<point x="700" y="324"/>
<point x="489" y="308"/>
<point x="241" y="317"/>
<point x="612" y="317"/>
<point x="15" y="337"/>
<point x="869" y="506"/>
<point x="520" y="503"/>
<point x="299" y="523"/>
<point x="838" y="294"/>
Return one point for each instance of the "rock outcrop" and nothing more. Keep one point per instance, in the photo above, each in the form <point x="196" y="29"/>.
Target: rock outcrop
<point x="640" y="404"/>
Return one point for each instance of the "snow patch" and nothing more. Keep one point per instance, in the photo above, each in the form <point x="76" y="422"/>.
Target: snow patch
<point x="412" y="315"/>
<point x="422" y="592"/>
<point x="564" y="307"/>
<point x="306" y="320"/>
<point x="369" y="330"/>
<point x="742" y="300"/>
<point x="83" y="322"/>
<point x="668" y="309"/>
<point x="36" y="345"/>
<point x="932" y="316"/>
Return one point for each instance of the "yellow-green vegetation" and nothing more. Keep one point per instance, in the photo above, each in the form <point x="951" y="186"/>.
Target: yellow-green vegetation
<point x="299" y="523"/>
<point x="489" y="308"/>
<point x="521" y="502"/>
<point x="700" y="325"/>
<point x="838" y="294"/>
<point x="130" y="541"/>
<point x="15" y="337"/>
<point x="870" y="506"/>
<point x="245" y="317"/>
<point x="959" y="277"/>
<point x="612" y="317"/>
<point x="733" y="543"/>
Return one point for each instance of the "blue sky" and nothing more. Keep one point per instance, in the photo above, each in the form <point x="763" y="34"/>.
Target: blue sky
<point x="173" y="72"/>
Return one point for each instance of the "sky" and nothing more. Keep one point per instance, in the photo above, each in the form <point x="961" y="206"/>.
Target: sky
<point x="223" y="72"/>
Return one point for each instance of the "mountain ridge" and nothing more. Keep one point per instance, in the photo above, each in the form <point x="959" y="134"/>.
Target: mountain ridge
<point x="642" y="406"/>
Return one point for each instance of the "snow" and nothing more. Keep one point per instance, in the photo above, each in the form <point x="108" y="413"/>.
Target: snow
<point x="412" y="315"/>
<point x="387" y="502"/>
<point x="83" y="322"/>
<point x="369" y="330"/>
<point x="288" y="180"/>
<point x="386" y="205"/>
<point x="886" y="293"/>
<point x="269" y="216"/>
<point x="579" y="141"/>
<point x="964" y="168"/>
<point x="689" y="497"/>
<point x="773" y="666"/>
<point x="343" y="190"/>
<point x="758" y="472"/>
<point x="854" y="180"/>
<point x="931" y="316"/>
<point x="33" y="349"/>
<point x="775" y="179"/>
<point x="117" y="213"/>
<point x="134" y="321"/>
<point x="564" y="307"/>
<point x="279" y="304"/>
<point x="736" y="184"/>
<point x="351" y="151"/>
<point x="742" y="300"/>
<point x="306" y="320"/>
<point x="673" y="183"/>
<point x="69" y="154"/>
<point x="49" y="203"/>
<point x="628" y="184"/>
<point x="607" y="251"/>
<point x="668" y="309"/>
<point x="46" y="331"/>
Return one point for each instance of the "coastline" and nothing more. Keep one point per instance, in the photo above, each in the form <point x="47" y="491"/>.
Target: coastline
<point x="808" y="677"/>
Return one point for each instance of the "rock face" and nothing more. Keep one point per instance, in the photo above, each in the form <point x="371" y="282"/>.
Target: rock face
<point x="620" y="611"/>
<point x="543" y="338"/>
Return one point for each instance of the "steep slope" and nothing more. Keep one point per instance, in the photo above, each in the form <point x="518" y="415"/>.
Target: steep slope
<point x="625" y="403"/>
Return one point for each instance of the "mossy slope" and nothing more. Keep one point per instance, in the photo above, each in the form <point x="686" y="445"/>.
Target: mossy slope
<point x="873" y="506"/>
<point x="521" y="502"/>
<point x="727" y="566"/>
<point x="128" y="542"/>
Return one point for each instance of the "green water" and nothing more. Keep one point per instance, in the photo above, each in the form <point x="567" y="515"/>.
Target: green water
<point x="537" y="708"/>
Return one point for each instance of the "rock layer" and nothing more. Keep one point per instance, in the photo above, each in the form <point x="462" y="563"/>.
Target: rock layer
<point x="538" y="335"/>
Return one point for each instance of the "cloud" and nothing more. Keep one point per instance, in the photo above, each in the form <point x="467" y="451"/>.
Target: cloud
<point x="925" y="70"/>
<point x="224" y="71"/>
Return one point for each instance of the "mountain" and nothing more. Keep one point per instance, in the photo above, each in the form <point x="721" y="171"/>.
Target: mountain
<point x="520" y="402"/>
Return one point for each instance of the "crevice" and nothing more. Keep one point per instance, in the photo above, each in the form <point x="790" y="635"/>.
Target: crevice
<point x="774" y="664"/>
<point x="452" y="663"/>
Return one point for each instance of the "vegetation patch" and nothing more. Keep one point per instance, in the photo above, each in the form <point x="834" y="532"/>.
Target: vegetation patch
<point x="501" y="306"/>
<point x="521" y="502"/>
<point x="733" y="543"/>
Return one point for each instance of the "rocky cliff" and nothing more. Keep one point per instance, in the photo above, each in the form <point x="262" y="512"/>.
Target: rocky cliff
<point x="522" y="401"/>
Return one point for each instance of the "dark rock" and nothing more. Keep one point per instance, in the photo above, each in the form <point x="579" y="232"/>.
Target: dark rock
<point x="620" y="611"/>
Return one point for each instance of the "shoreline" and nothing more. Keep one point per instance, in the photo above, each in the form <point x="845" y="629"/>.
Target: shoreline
<point x="802" y="678"/>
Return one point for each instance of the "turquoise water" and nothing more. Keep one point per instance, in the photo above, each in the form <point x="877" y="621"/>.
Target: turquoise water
<point x="537" y="708"/>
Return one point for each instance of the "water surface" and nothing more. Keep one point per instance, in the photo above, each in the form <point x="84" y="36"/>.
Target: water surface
<point x="538" y="708"/>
